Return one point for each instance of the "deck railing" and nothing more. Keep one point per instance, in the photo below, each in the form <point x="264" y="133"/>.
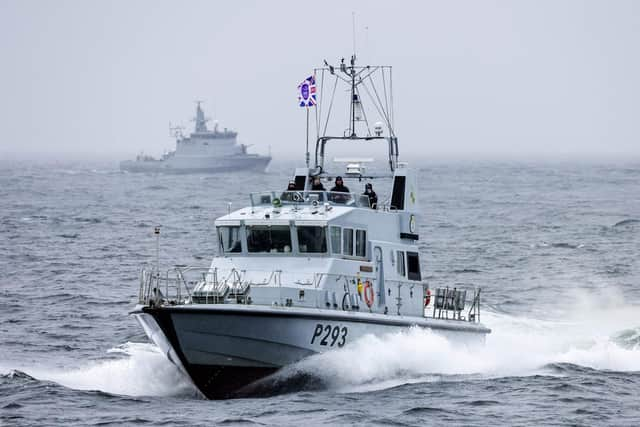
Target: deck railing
<point x="184" y="285"/>
<point x="294" y="198"/>
<point x="450" y="303"/>
<point x="206" y="285"/>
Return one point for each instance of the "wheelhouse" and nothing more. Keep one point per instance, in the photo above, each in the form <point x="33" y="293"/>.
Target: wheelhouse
<point x="295" y="238"/>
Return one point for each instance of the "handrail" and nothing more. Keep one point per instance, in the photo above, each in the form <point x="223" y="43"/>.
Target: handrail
<point x="309" y="197"/>
<point x="474" y="310"/>
<point x="182" y="285"/>
<point x="188" y="285"/>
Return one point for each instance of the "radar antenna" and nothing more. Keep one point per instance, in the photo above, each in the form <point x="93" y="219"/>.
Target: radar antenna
<point x="176" y="131"/>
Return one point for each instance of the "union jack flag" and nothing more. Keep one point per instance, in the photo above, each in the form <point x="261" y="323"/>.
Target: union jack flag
<point x="307" y="92"/>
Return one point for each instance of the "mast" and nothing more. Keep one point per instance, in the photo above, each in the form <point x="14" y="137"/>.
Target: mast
<point x="201" y="121"/>
<point x="353" y="77"/>
<point x="353" y="95"/>
<point x="360" y="81"/>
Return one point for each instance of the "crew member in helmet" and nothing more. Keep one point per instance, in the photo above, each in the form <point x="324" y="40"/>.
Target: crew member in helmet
<point x="373" y="197"/>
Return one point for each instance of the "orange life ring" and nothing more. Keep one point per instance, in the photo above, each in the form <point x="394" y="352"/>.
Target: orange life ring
<point x="427" y="298"/>
<point x="368" y="293"/>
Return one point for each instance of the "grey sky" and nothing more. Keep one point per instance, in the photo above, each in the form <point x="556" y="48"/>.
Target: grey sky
<point x="471" y="78"/>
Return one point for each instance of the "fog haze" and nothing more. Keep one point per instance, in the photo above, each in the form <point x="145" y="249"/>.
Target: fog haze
<point x="471" y="78"/>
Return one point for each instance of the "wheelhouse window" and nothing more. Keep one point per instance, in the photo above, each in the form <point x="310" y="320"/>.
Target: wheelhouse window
<point x="336" y="240"/>
<point x="268" y="239"/>
<point x="361" y="243"/>
<point x="347" y="241"/>
<point x="413" y="266"/>
<point x="230" y="239"/>
<point x="400" y="266"/>
<point x="312" y="239"/>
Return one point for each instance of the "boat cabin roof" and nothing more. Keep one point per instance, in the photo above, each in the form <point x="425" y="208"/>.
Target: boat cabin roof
<point x="267" y="214"/>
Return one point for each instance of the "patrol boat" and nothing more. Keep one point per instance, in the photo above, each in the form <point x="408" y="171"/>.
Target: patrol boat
<point x="204" y="151"/>
<point x="306" y="271"/>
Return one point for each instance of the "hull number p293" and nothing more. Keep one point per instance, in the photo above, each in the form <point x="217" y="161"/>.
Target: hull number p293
<point x="329" y="336"/>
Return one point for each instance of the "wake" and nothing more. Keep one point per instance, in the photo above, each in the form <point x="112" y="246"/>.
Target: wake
<point x="597" y="334"/>
<point x="138" y="369"/>
<point x="602" y="338"/>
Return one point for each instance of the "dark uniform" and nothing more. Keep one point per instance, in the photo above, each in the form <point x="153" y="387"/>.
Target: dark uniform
<point x="288" y="194"/>
<point x="316" y="185"/>
<point x="373" y="197"/>
<point x="340" y="187"/>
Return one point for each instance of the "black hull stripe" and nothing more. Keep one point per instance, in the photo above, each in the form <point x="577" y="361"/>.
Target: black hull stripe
<point x="338" y="316"/>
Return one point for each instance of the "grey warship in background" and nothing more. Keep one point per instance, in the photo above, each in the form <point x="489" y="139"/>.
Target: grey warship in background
<point x="204" y="151"/>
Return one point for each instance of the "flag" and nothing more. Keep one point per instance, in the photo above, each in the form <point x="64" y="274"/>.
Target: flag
<point x="307" y="92"/>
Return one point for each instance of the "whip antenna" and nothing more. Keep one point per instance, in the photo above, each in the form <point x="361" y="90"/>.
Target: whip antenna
<point x="353" y="27"/>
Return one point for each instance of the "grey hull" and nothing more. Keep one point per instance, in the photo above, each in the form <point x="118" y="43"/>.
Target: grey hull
<point x="197" y="165"/>
<point x="224" y="349"/>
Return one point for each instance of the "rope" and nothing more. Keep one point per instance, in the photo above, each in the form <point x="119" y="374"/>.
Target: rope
<point x="378" y="97"/>
<point x="373" y="101"/>
<point x="391" y="95"/>
<point x="384" y="87"/>
<point x="366" y="122"/>
<point x="319" y="106"/>
<point x="324" y="132"/>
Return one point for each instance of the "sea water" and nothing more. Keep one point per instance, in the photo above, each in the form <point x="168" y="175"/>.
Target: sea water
<point x="554" y="246"/>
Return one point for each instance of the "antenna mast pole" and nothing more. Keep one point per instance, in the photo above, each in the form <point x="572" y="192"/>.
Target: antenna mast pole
<point x="353" y="76"/>
<point x="307" y="136"/>
<point x="353" y="27"/>
<point x="353" y="94"/>
<point x="156" y="231"/>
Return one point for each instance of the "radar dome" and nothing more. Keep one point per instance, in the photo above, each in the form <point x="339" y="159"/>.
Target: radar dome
<point x="377" y="128"/>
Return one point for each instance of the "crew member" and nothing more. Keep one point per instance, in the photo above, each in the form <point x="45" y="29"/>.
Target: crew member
<point x="316" y="184"/>
<point x="373" y="197"/>
<point x="340" y="187"/>
<point x="288" y="193"/>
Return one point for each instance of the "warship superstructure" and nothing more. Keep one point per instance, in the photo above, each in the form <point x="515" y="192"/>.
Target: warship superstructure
<point x="204" y="151"/>
<point x="307" y="270"/>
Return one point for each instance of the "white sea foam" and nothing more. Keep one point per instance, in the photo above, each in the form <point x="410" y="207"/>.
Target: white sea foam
<point x="517" y="346"/>
<point x="143" y="371"/>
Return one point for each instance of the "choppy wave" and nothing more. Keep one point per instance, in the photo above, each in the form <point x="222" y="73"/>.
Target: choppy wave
<point x="74" y="242"/>
<point x="156" y="187"/>
<point x="466" y="270"/>
<point x="629" y="339"/>
<point x="140" y="370"/>
<point x="16" y="375"/>
<point x="68" y="235"/>
<point x="626" y="222"/>
<point x="606" y="339"/>
<point x="559" y="245"/>
<point x="565" y="245"/>
<point x="600" y="334"/>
